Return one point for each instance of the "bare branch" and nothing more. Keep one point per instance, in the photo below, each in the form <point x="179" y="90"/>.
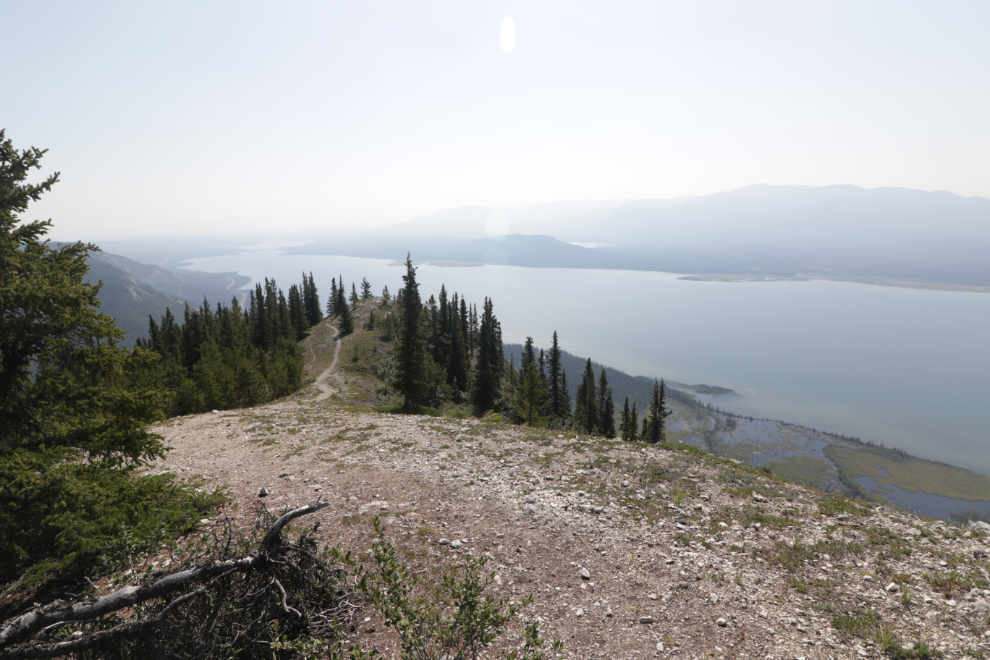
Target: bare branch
<point x="61" y="612"/>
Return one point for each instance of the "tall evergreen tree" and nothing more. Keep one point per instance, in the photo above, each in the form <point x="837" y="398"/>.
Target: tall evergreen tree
<point x="332" y="300"/>
<point x="633" y="424"/>
<point x="655" y="429"/>
<point x="530" y="391"/>
<point x="345" y="318"/>
<point x="457" y="363"/>
<point x="565" y="396"/>
<point x="354" y="294"/>
<point x="365" y="289"/>
<point x="586" y="414"/>
<point x="410" y="355"/>
<point x="386" y="297"/>
<point x="297" y="313"/>
<point x="624" y="421"/>
<point x="311" y="301"/>
<point x="488" y="372"/>
<point x="606" y="407"/>
<point x="555" y="382"/>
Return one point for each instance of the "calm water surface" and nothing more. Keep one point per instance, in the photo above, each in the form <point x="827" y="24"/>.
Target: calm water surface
<point x="908" y="368"/>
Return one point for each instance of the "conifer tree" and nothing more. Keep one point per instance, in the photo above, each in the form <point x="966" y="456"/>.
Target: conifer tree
<point x="297" y="313"/>
<point x="410" y="355"/>
<point x="586" y="414"/>
<point x="365" y="288"/>
<point x="624" y="421"/>
<point x="457" y="363"/>
<point x="606" y="407"/>
<point x="558" y="390"/>
<point x="354" y="294"/>
<point x="332" y="300"/>
<point x="386" y="297"/>
<point x="530" y="391"/>
<point x="633" y="424"/>
<point x="565" y="396"/>
<point x="346" y="319"/>
<point x="654" y="431"/>
<point x="488" y="377"/>
<point x="311" y="301"/>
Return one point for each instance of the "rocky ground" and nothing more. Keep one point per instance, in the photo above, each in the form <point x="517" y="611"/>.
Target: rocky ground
<point x="630" y="551"/>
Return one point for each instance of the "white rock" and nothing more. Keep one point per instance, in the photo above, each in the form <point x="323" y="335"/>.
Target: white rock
<point x="713" y="598"/>
<point x="721" y="623"/>
<point x="455" y="544"/>
<point x="585" y="574"/>
<point x="891" y="587"/>
<point x="443" y="542"/>
<point x="646" y="619"/>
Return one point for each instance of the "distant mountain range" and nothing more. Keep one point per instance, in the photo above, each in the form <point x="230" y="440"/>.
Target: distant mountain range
<point x="889" y="235"/>
<point x="133" y="291"/>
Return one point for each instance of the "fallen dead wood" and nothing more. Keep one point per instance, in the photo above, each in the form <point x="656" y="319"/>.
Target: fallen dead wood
<point x="97" y="622"/>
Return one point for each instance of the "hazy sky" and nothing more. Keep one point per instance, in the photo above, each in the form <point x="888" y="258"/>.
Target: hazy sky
<point x="202" y="117"/>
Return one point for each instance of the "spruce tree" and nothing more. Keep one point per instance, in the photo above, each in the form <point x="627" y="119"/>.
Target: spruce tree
<point x="606" y="407"/>
<point x="555" y="385"/>
<point x="565" y="396"/>
<point x="386" y="297"/>
<point x="332" y="300"/>
<point x="354" y="294"/>
<point x="586" y="414"/>
<point x="633" y="424"/>
<point x="457" y="363"/>
<point x="365" y="288"/>
<point x="488" y="372"/>
<point x="345" y="318"/>
<point x="624" y="421"/>
<point x="311" y="301"/>
<point x="410" y="355"/>
<point x="297" y="313"/>
<point x="531" y="390"/>
<point x="654" y="431"/>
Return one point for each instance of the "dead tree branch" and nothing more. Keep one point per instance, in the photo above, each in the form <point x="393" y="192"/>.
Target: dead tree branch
<point x="16" y="633"/>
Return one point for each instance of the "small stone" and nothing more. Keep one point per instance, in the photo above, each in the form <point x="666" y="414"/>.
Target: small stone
<point x="868" y="578"/>
<point x="660" y="647"/>
<point x="771" y="535"/>
<point x="530" y="499"/>
<point x="646" y="619"/>
<point x="455" y="544"/>
<point x="670" y="560"/>
<point x="651" y="596"/>
<point x="951" y="603"/>
<point x="723" y="525"/>
<point x="980" y="554"/>
<point x="926" y="600"/>
<point x="443" y="542"/>
<point x="625" y="483"/>
<point x="713" y="598"/>
<point x="585" y="574"/>
<point x="608" y="612"/>
<point x="721" y="623"/>
<point x="891" y="587"/>
<point x="579" y="612"/>
<point x="758" y="498"/>
<point x="204" y="521"/>
<point x="263" y="492"/>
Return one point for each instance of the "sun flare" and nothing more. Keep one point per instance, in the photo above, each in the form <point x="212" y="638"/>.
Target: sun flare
<point x="508" y="35"/>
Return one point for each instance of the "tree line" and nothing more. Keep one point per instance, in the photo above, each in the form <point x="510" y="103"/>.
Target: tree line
<point x="232" y="357"/>
<point x="447" y="351"/>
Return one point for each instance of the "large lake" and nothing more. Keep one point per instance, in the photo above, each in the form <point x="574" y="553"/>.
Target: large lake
<point x="905" y="367"/>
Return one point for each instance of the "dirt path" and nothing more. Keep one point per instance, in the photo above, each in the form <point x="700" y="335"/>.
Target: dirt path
<point x="321" y="382"/>
<point x="631" y="552"/>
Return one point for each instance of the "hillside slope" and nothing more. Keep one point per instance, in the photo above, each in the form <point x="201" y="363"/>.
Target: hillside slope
<point x="630" y="551"/>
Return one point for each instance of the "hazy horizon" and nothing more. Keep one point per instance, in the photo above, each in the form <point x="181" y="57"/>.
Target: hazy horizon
<point x="226" y="118"/>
